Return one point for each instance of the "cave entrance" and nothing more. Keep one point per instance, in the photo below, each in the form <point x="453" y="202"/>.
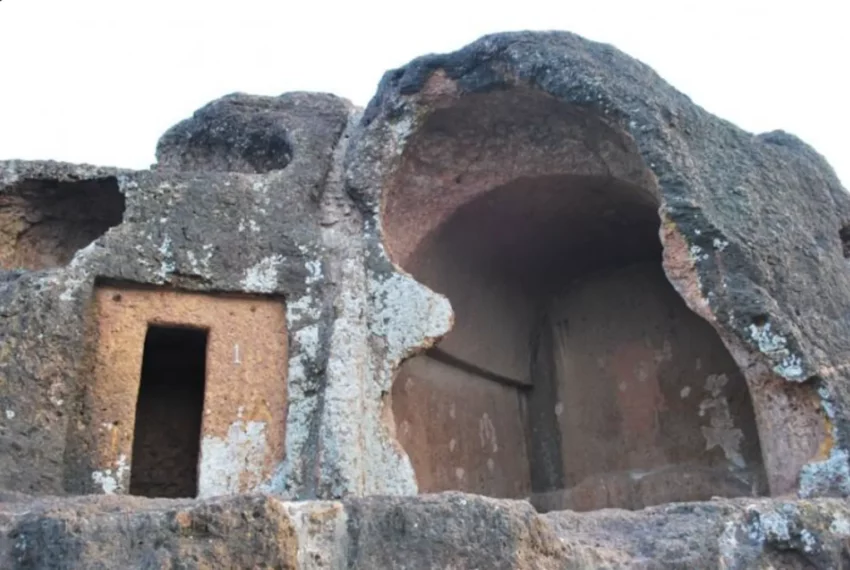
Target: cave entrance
<point x="575" y="374"/>
<point x="169" y="410"/>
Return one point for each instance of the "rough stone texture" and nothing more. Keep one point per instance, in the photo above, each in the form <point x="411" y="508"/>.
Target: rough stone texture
<point x="44" y="223"/>
<point x="750" y="224"/>
<point x="244" y="532"/>
<point x="379" y="229"/>
<point x="243" y="433"/>
<point x="293" y="234"/>
<point x="196" y="231"/>
<point x="452" y="531"/>
<point x="252" y="134"/>
<point x="647" y="395"/>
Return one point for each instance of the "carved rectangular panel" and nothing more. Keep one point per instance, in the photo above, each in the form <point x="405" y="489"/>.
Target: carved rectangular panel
<point x="245" y="397"/>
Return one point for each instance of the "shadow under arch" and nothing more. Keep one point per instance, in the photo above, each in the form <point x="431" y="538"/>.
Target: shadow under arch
<point x="575" y="374"/>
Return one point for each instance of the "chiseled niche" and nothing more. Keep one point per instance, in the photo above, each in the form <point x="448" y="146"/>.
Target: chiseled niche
<point x="188" y="392"/>
<point x="43" y="223"/>
<point x="575" y="374"/>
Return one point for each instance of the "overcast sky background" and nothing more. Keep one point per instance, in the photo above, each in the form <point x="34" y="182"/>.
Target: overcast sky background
<point x="99" y="81"/>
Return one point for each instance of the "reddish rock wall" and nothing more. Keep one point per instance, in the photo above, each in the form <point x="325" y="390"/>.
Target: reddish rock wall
<point x="462" y="431"/>
<point x="651" y="407"/>
<point x="244" y="413"/>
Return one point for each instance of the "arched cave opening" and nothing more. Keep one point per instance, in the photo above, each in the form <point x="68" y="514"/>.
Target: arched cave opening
<point x="575" y="374"/>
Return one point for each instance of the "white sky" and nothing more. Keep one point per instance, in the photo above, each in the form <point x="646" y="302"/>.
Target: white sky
<point x="99" y="81"/>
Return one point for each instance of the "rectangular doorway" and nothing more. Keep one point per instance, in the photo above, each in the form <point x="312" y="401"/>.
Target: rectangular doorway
<point x="169" y="411"/>
<point x="232" y="361"/>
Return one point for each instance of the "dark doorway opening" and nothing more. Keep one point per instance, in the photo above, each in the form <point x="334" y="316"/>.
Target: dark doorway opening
<point x="167" y="433"/>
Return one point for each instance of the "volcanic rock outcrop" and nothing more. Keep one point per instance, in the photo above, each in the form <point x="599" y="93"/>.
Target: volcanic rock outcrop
<point x="528" y="282"/>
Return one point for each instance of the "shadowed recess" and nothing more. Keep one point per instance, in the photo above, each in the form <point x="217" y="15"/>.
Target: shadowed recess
<point x="167" y="435"/>
<point x="43" y="223"/>
<point x="575" y="374"/>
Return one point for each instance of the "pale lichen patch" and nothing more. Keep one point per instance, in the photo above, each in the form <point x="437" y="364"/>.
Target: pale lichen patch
<point x="262" y="277"/>
<point x="721" y="431"/>
<point x="167" y="265"/>
<point x="111" y="480"/>
<point x="407" y="314"/>
<point x="775" y="526"/>
<point x="823" y="477"/>
<point x="775" y="346"/>
<point x="233" y="464"/>
<point x="75" y="274"/>
<point x="720" y="244"/>
<point x="840" y="526"/>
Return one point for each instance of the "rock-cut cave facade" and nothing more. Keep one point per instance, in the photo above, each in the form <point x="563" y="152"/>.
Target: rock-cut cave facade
<point x="529" y="269"/>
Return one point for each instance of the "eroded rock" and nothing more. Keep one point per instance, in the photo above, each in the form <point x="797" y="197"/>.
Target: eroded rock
<point x="46" y="222"/>
<point x="254" y="134"/>
<point x="529" y="269"/>
<point x="750" y="239"/>
<point x="439" y="531"/>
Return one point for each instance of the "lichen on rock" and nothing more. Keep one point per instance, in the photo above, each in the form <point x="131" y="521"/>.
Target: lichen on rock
<point x="528" y="272"/>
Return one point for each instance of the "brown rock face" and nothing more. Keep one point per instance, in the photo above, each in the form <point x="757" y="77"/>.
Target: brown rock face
<point x="588" y="373"/>
<point x="530" y="269"/>
<point x="613" y="254"/>
<point x="43" y="225"/>
<point x="171" y="422"/>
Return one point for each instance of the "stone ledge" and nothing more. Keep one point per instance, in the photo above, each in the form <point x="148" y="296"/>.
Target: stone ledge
<point x="449" y="530"/>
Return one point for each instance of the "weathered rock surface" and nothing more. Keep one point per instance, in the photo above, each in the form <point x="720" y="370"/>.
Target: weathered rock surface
<point x="327" y="212"/>
<point x="450" y="530"/>
<point x="192" y="231"/>
<point x="253" y="134"/>
<point x="751" y="225"/>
